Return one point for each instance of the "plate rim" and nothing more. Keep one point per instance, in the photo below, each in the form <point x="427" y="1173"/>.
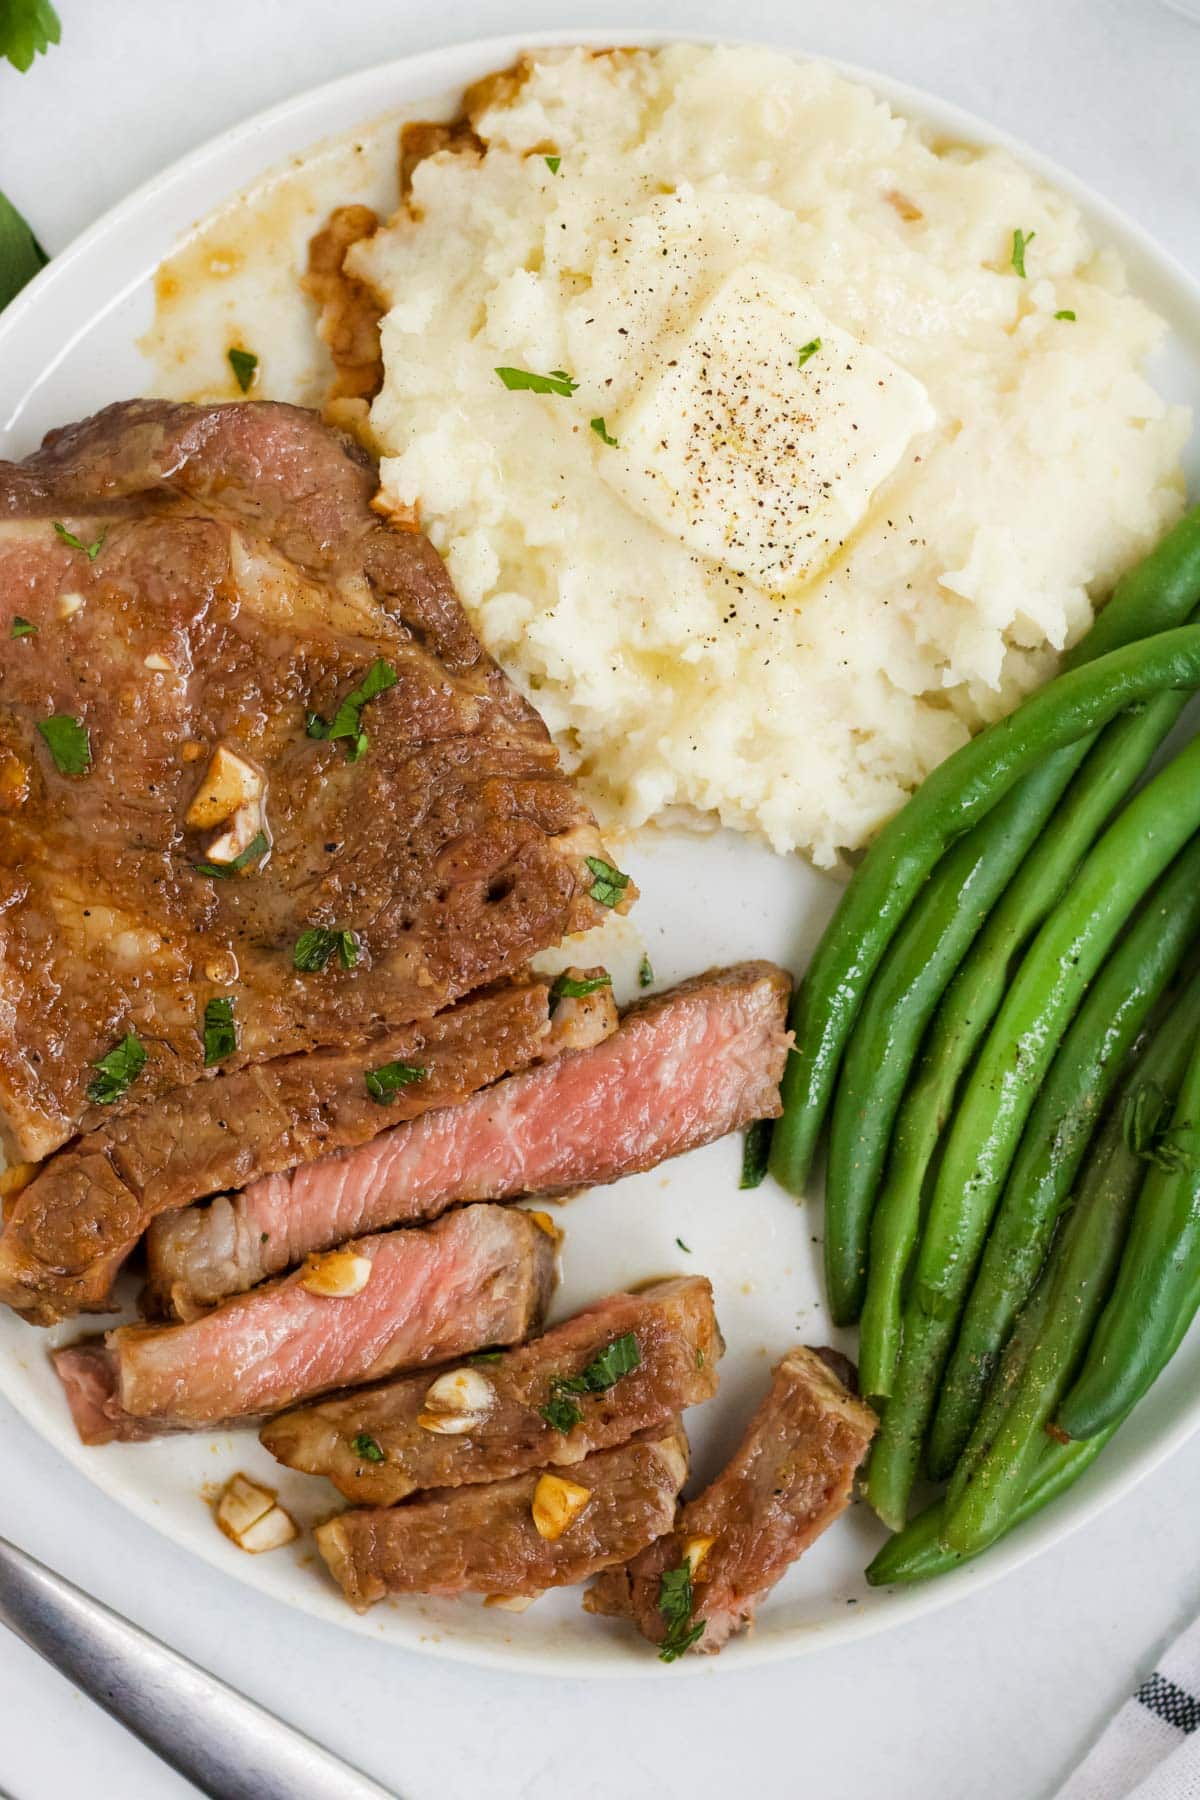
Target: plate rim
<point x="444" y="65"/>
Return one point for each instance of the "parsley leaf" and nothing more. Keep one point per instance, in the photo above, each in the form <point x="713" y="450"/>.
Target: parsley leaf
<point x="557" y="382"/>
<point x="69" y="743"/>
<point x="807" y="351"/>
<point x="114" y="1072"/>
<point x="1066" y="313"/>
<point x="687" y="1248"/>
<point x="243" y="363"/>
<point x="571" y="987"/>
<point x="601" y="431"/>
<point x="486" y="1356"/>
<point x="315" y="946"/>
<point x="560" y="1415"/>
<point x="553" y="163"/>
<point x="367" y="1448"/>
<point x="347" y="720"/>
<point x="608" y="884"/>
<point x="21" y="256"/>
<point x="254" y="852"/>
<point x="220" y="1032"/>
<point x="645" y="973"/>
<point x="675" y="1605"/>
<point x="91" y="551"/>
<point x="619" y="1358"/>
<point x="27" y="29"/>
<point x="1020" y="244"/>
<point x="756" y="1146"/>
<point x="22" y="627"/>
<point x="384" y="1083"/>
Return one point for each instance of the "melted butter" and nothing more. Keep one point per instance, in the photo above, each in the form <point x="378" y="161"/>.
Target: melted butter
<point x="234" y="281"/>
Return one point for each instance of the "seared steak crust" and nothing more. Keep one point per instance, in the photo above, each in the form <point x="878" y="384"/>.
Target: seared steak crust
<point x="235" y="579"/>
<point x="483" y="1540"/>
<point x="789" y="1478"/>
<point x="679" y="1346"/>
<point x="685" y="1067"/>
<point x="69" y="1231"/>
<point x="481" y="1276"/>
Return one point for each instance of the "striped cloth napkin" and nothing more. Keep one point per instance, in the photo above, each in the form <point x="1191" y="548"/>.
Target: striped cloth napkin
<point x="1151" y="1750"/>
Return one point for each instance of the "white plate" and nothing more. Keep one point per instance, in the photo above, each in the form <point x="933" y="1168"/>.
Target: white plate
<point x="69" y="345"/>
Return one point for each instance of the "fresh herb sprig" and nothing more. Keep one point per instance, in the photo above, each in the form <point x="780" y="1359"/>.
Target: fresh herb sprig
<point x="68" y="743"/>
<point x="756" y="1149"/>
<point x="525" y="380"/>
<point x="608" y="884"/>
<point x="117" y="1071"/>
<point x="577" y="987"/>
<point x="619" y="1358"/>
<point x="27" y="29"/>
<point x="367" y="1448"/>
<point x="385" y="1082"/>
<point x="244" y="364"/>
<point x="1020" y="244"/>
<point x="220" y="1030"/>
<point x="314" y="947"/>
<point x="675" y="1601"/>
<point x="347" y="720"/>
<point x="91" y="551"/>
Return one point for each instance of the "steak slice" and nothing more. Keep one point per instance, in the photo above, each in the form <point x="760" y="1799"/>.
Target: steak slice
<point x="483" y="1540"/>
<point x="70" y="1230"/>
<point x="789" y="1478"/>
<point x="375" y="1449"/>
<point x="481" y="1276"/>
<point x="684" y="1068"/>
<point x="234" y="592"/>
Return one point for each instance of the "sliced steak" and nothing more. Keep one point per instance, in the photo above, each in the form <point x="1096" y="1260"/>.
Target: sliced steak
<point x="685" y="1067"/>
<point x="481" y="1276"/>
<point x="377" y="1447"/>
<point x="70" y="1230"/>
<point x="789" y="1478"/>
<point x="222" y="592"/>
<point x="483" y="1540"/>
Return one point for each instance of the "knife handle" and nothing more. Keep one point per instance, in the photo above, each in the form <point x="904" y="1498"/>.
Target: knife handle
<point x="223" y="1743"/>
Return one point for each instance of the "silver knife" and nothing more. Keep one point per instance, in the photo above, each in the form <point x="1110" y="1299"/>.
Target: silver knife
<point x="227" y="1746"/>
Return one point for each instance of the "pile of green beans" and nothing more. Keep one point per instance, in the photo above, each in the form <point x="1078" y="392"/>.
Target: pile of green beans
<point x="980" y="994"/>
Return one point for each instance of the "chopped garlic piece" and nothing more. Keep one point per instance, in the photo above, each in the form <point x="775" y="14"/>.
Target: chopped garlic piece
<point x="513" y="1603"/>
<point x="160" y="664"/>
<point x="229" y="783"/>
<point x="338" y="1273"/>
<point x="545" y="1223"/>
<point x="251" y="1517"/>
<point x="556" y="1504"/>
<point x="695" y="1550"/>
<point x="69" y="605"/>
<point x="456" y="1402"/>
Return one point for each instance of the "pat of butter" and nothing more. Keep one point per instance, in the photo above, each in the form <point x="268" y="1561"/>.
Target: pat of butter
<point x="755" y="449"/>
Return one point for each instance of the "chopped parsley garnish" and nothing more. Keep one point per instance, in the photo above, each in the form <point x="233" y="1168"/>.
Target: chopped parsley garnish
<point x="675" y="1605"/>
<point x="27" y="29"/>
<point x="553" y="163"/>
<point x="254" y="852"/>
<point x="608" y="884"/>
<point x="367" y="1449"/>
<point x="220" y="1032"/>
<point x="686" y="1248"/>
<point x="68" y="743"/>
<point x="807" y="351"/>
<point x="21" y="256"/>
<point x="557" y="382"/>
<point x="645" y="972"/>
<point x="347" y="720"/>
<point x="486" y="1356"/>
<point x="384" y="1083"/>
<point x="91" y="551"/>
<point x="756" y="1146"/>
<point x="116" y="1071"/>
<point x="602" y="432"/>
<point x="244" y="363"/>
<point x="315" y="946"/>
<point x="573" y="987"/>
<point x="1021" y="243"/>
<point x="1066" y="313"/>
<point x="22" y="627"/>
<point x="619" y="1358"/>
<point x="1149" y="1135"/>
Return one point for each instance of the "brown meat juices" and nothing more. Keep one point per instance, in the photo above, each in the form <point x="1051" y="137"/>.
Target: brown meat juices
<point x="222" y="587"/>
<point x="67" y="1233"/>
<point x="481" y="1276"/>
<point x="496" y="1539"/>
<point x="380" y="1446"/>
<point x="685" y="1067"/>
<point x="789" y="1479"/>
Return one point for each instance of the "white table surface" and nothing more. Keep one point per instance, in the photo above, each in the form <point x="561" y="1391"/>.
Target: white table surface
<point x="997" y="1696"/>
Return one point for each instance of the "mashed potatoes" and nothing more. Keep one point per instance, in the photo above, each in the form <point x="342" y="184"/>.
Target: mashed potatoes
<point x="791" y="478"/>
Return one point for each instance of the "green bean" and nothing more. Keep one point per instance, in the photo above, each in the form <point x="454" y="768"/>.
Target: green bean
<point x="1159" y="1270"/>
<point x="1113" y="766"/>
<point x="1059" y="1129"/>
<point x="917" y="1552"/>
<point x="911" y="980"/>
<point x="1161" y="591"/>
<point x="1002" y="1088"/>
<point x="994" y="1471"/>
